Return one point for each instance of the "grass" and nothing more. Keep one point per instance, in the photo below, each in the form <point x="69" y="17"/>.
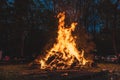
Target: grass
<point x="20" y="71"/>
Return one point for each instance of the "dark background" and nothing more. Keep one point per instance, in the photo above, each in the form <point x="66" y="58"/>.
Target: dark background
<point x="26" y="26"/>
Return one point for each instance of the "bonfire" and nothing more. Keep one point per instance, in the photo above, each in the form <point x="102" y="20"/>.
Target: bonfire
<point x="64" y="53"/>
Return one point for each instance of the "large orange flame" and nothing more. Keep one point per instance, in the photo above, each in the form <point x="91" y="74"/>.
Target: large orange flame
<point x="64" y="54"/>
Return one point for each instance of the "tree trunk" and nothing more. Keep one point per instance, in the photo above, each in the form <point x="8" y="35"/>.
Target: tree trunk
<point x="22" y="43"/>
<point x="23" y="37"/>
<point x="114" y="30"/>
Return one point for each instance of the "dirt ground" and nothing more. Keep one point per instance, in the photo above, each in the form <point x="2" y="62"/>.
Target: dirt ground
<point x="24" y="72"/>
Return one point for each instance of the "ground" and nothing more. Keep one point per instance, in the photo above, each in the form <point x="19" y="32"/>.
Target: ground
<point x="24" y="72"/>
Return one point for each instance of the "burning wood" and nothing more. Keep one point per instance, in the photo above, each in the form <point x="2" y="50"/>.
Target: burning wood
<point x="64" y="53"/>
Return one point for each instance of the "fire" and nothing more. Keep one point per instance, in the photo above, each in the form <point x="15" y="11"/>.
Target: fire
<point x="64" y="53"/>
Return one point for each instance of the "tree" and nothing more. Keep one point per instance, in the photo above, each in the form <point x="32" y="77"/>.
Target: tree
<point x="31" y="16"/>
<point x="22" y="16"/>
<point x="6" y="21"/>
<point x="108" y="13"/>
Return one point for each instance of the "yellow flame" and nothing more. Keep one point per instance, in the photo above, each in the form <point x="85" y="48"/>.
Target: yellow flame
<point x="64" y="53"/>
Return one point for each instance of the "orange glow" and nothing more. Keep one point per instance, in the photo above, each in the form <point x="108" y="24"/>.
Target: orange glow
<point x="64" y="52"/>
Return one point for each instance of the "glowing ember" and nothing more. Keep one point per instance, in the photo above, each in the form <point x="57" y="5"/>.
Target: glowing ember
<point x="64" y="54"/>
